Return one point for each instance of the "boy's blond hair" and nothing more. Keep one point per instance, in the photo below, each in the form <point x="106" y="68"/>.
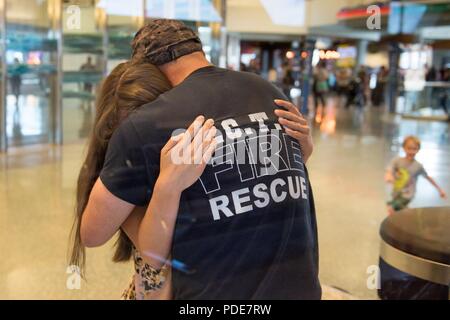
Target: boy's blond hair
<point x="412" y="139"/>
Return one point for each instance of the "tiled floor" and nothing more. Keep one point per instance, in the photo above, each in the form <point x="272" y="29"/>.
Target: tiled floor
<point x="352" y="148"/>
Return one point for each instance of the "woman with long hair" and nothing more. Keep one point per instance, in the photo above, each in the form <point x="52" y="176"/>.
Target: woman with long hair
<point x="128" y="87"/>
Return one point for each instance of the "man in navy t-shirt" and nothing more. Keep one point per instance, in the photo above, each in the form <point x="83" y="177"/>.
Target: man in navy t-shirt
<point x="247" y="228"/>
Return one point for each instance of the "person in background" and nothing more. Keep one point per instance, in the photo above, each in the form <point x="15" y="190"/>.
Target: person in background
<point x="272" y="76"/>
<point x="378" y="92"/>
<point x="364" y="79"/>
<point x="431" y="74"/>
<point x="343" y="77"/>
<point x="332" y="81"/>
<point x="287" y="80"/>
<point x="16" y="72"/>
<point x="403" y="172"/>
<point x="443" y="97"/>
<point x="255" y="66"/>
<point x="444" y="74"/>
<point x="356" y="94"/>
<point x="320" y="86"/>
<point x="87" y="100"/>
<point x="88" y="66"/>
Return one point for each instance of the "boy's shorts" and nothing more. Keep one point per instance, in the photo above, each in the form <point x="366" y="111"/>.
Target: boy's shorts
<point x="399" y="203"/>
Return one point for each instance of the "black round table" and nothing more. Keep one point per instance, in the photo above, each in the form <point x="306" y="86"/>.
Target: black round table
<point x="415" y="254"/>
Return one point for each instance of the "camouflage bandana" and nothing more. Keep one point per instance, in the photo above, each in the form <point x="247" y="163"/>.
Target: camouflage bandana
<point x="164" y="40"/>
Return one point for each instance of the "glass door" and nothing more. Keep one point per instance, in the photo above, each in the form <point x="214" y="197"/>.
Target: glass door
<point x="97" y="36"/>
<point x="31" y="67"/>
<point x="83" y="65"/>
<point x="122" y="24"/>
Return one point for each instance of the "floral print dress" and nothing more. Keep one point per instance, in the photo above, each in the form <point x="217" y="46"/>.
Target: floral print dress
<point x="146" y="280"/>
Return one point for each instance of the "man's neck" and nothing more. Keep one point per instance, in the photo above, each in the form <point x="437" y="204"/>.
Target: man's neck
<point x="181" y="68"/>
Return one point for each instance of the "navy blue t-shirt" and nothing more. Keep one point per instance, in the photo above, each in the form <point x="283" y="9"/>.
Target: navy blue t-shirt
<point x="247" y="228"/>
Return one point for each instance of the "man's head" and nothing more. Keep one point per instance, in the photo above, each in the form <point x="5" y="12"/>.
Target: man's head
<point x="170" y="45"/>
<point x="164" y="40"/>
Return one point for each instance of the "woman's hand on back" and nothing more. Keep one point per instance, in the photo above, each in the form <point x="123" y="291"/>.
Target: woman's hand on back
<point x="185" y="156"/>
<point x="296" y="126"/>
<point x="183" y="160"/>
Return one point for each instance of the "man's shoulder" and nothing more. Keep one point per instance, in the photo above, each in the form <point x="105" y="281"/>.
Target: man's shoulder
<point x="254" y="83"/>
<point x="151" y="122"/>
<point x="124" y="133"/>
<point x="147" y="111"/>
<point x="249" y="76"/>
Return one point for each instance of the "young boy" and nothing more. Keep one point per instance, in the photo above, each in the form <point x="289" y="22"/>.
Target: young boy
<point x="403" y="173"/>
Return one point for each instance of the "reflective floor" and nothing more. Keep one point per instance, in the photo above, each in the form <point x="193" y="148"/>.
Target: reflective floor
<point x="37" y="187"/>
<point x="27" y="119"/>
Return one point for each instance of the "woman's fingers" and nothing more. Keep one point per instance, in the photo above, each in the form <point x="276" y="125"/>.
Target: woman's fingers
<point x="290" y="116"/>
<point x="200" y="135"/>
<point x="196" y="143"/>
<point x="294" y="125"/>
<point x="172" y="142"/>
<point x="209" y="150"/>
<point x="288" y="105"/>
<point x="210" y="135"/>
<point x="294" y="134"/>
<point x="192" y="131"/>
<point x="201" y="142"/>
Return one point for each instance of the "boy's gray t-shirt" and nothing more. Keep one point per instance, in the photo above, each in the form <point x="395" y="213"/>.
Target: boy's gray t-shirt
<point x="406" y="173"/>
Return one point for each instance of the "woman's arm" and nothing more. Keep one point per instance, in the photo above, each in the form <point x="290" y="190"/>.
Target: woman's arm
<point x="157" y="226"/>
<point x="103" y="216"/>
<point x="154" y="284"/>
<point x="183" y="160"/>
<point x="131" y="225"/>
<point x="105" y="213"/>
